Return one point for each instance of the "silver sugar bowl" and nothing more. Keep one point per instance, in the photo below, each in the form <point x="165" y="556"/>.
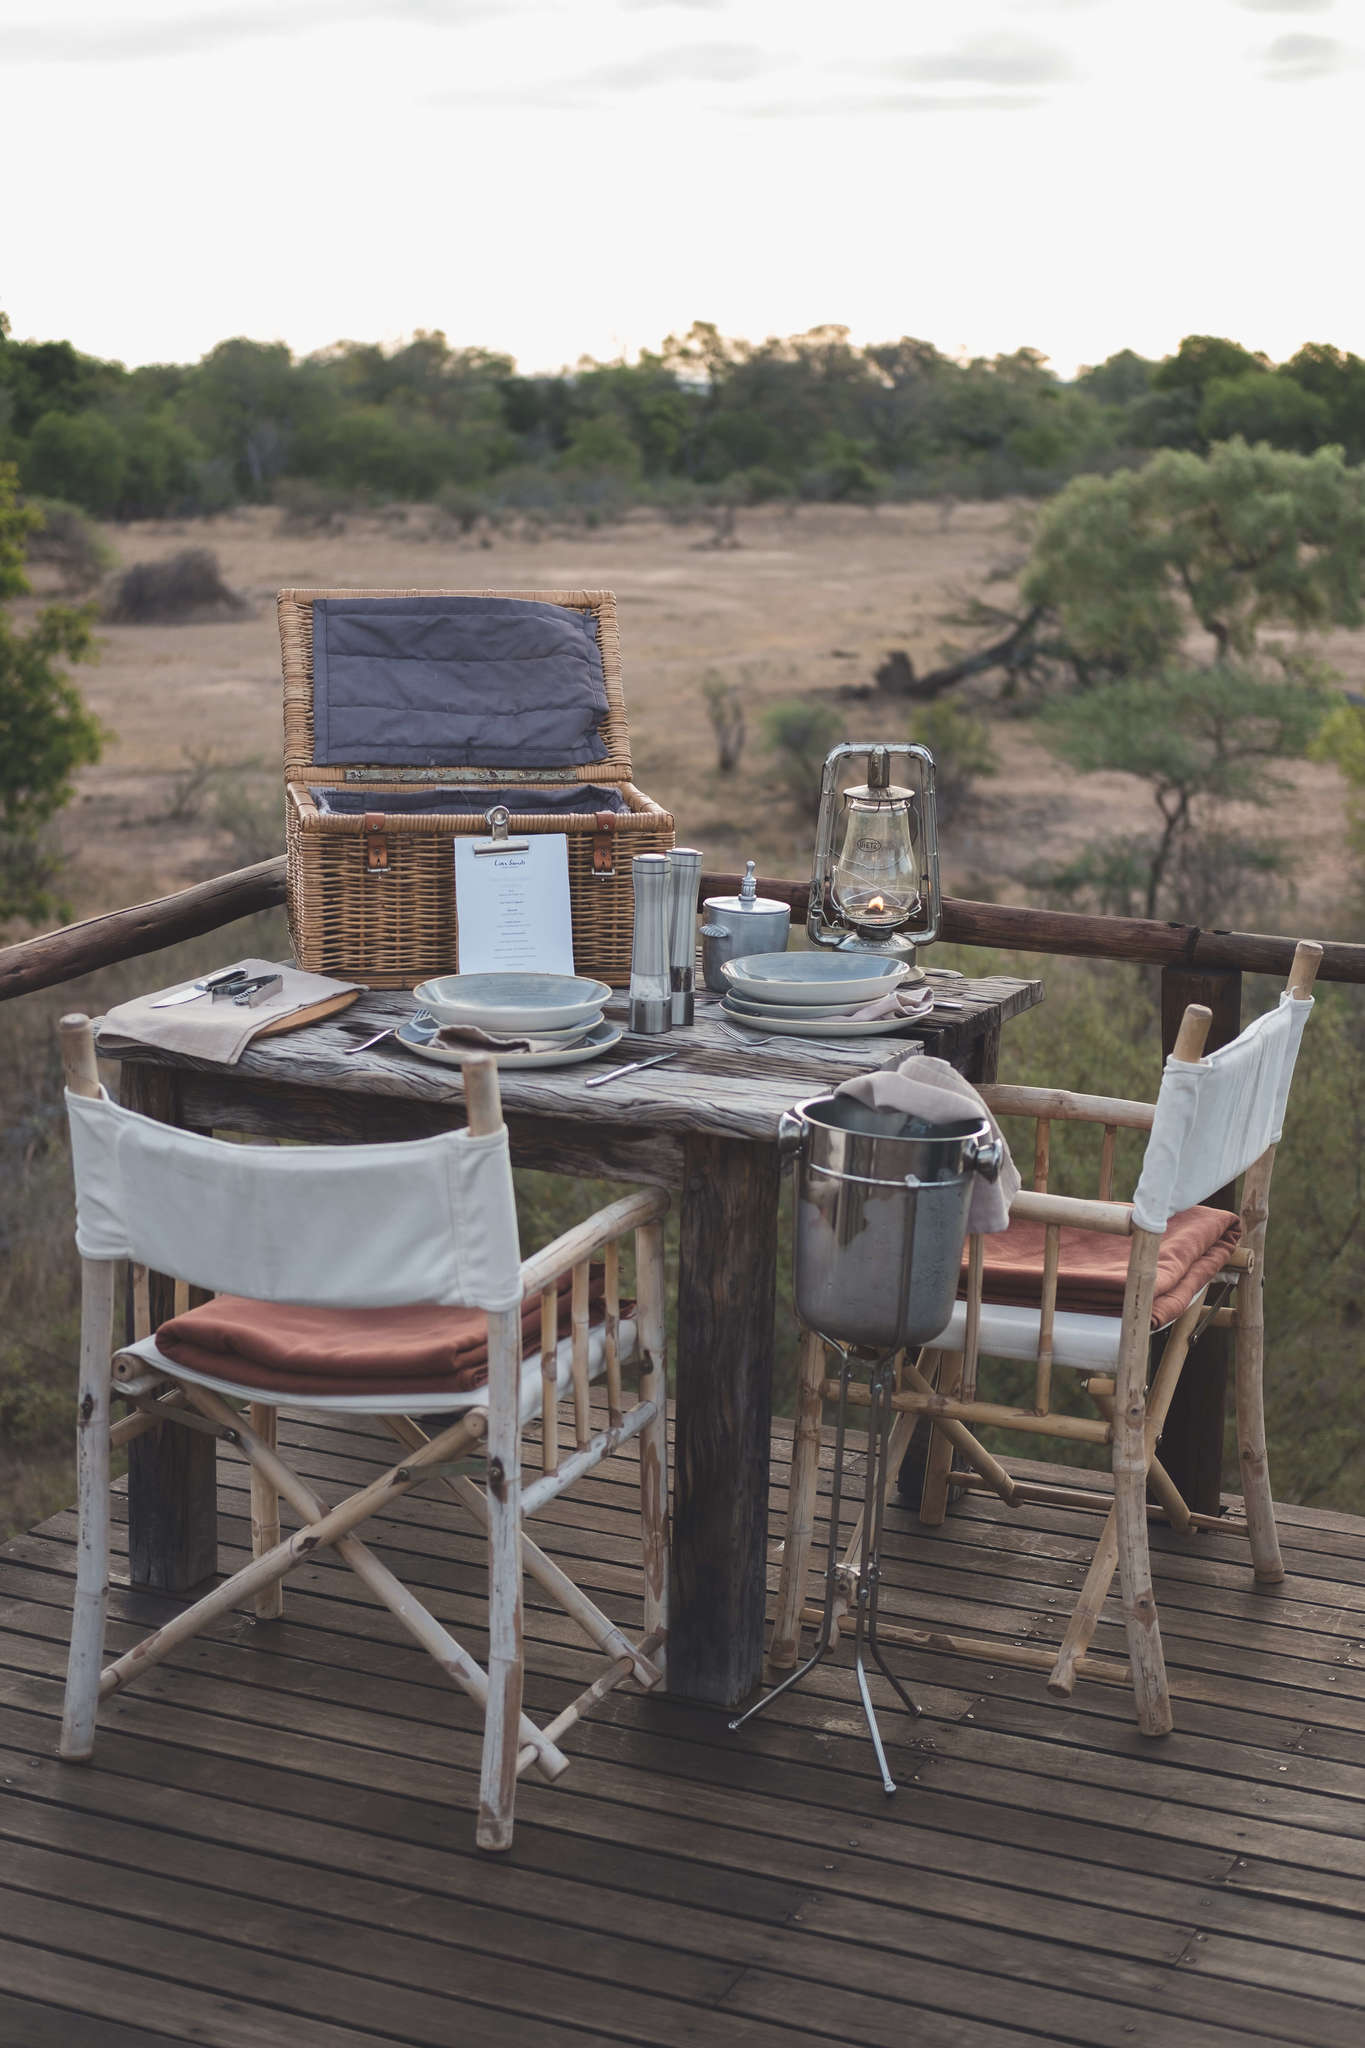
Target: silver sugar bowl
<point x="733" y="926"/>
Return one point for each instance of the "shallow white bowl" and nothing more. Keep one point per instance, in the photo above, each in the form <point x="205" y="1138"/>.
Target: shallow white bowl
<point x="814" y="977"/>
<point x="514" y="1002"/>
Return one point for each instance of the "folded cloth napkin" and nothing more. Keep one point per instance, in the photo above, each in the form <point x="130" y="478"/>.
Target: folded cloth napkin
<point x="456" y="1037"/>
<point x="931" y="1089"/>
<point x="901" y="1002"/>
<point x="285" y="1349"/>
<point x="211" y="1030"/>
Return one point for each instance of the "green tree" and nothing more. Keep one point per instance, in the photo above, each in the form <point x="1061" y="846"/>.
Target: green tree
<point x="1264" y="405"/>
<point x="46" y="733"/>
<point x="1201" y="738"/>
<point x="1234" y="541"/>
<point x="78" y="456"/>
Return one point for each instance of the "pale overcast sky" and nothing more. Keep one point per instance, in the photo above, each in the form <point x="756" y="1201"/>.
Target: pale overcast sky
<point x="565" y="177"/>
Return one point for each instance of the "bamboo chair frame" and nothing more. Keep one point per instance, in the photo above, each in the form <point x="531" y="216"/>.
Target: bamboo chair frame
<point x="942" y="1385"/>
<point x="512" y="1742"/>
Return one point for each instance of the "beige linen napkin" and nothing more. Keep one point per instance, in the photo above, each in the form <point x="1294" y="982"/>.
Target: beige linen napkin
<point x="458" y="1037"/>
<point x="214" y="1031"/>
<point x="902" y="1002"/>
<point x="932" y="1089"/>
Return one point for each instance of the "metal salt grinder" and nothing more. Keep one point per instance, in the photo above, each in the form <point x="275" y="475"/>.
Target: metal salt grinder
<point x="684" y="871"/>
<point x="650" y="993"/>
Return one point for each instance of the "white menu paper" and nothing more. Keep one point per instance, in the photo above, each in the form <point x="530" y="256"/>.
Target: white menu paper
<point x="512" y="905"/>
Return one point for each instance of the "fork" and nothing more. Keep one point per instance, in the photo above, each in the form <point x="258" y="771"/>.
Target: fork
<point x="420" y="1017"/>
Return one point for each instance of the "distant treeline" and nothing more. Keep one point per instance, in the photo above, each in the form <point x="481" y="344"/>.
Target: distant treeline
<point x="702" y="420"/>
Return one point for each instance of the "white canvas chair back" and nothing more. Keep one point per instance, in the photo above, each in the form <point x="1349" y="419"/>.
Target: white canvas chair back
<point x="1217" y="1115"/>
<point x="355" y="1226"/>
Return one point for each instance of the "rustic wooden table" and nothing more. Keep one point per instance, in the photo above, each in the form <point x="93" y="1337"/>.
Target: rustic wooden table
<point x="706" y="1124"/>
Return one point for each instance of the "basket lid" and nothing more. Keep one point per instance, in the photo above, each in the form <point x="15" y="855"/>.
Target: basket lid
<point x="362" y="665"/>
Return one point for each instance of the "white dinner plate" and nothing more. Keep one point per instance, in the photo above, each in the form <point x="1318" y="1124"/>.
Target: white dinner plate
<point x="752" y="1007"/>
<point x="822" y="1027"/>
<point x="600" y="1039"/>
<point x="814" y="977"/>
<point x="515" y="1004"/>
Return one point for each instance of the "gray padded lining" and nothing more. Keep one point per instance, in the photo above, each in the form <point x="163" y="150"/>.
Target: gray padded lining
<point x="580" y="798"/>
<point x="475" y="682"/>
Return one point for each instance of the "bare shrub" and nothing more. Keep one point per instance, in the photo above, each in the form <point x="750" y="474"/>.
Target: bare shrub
<point x="960" y="742"/>
<point x="254" y="825"/>
<point x="203" y="771"/>
<point x="309" y="507"/>
<point x="800" y="732"/>
<point x="185" y="586"/>
<point x="725" y="710"/>
<point x="70" y="543"/>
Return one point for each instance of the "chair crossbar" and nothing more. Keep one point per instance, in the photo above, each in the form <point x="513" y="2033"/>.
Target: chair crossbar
<point x="1025" y="1656"/>
<point x="324" y="1527"/>
<point x="598" y="1691"/>
<point x="535" y="1496"/>
<point x="988" y="1414"/>
<point x="602" y="1632"/>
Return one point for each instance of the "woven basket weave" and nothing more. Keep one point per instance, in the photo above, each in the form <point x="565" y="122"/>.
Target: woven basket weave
<point x="372" y="897"/>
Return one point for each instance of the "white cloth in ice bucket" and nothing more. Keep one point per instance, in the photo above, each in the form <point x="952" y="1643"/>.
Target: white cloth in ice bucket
<point x="933" y="1090"/>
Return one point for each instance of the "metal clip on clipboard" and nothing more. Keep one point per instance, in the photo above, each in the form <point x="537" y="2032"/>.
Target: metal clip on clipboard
<point x="497" y="821"/>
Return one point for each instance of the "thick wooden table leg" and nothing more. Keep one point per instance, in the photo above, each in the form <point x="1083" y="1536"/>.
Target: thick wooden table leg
<point x="172" y="1473"/>
<point x="726" y="1291"/>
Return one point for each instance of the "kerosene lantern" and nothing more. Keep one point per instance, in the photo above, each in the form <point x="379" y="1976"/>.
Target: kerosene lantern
<point x="874" y="884"/>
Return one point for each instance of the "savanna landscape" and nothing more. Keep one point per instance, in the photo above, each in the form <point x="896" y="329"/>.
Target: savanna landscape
<point x="1134" y="646"/>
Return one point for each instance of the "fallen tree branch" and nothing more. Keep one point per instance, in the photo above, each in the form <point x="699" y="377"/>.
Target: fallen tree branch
<point x="897" y="673"/>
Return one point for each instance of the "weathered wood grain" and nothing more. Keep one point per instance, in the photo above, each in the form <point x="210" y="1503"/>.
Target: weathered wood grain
<point x="722" y="1083"/>
<point x="726" y="1281"/>
<point x="685" y="1885"/>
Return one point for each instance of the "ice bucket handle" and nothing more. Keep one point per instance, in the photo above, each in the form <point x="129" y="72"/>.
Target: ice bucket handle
<point x="985" y="1156"/>
<point x="791" y="1131"/>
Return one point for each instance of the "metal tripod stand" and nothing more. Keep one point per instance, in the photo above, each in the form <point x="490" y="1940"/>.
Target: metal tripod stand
<point x="867" y="1583"/>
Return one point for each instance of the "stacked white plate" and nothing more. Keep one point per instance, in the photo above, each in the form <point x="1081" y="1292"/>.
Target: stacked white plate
<point x="813" y="995"/>
<point x="560" y="1013"/>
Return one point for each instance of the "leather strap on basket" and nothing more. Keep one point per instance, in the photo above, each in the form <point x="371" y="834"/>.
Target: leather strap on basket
<point x="604" y="846"/>
<point x="376" y="844"/>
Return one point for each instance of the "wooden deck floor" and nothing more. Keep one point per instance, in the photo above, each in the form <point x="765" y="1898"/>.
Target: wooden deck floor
<point x="274" y="1843"/>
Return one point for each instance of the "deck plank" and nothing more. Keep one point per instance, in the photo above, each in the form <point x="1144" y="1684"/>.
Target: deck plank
<point x="274" y="1842"/>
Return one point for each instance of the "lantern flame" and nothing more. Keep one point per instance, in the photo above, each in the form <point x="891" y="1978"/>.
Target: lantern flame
<point x="877" y="903"/>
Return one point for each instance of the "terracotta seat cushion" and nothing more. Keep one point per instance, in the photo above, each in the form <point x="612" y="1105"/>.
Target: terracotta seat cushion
<point x="1093" y="1270"/>
<point x="285" y="1349"/>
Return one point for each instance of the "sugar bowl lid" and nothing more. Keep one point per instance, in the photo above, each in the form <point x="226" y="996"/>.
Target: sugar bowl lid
<point x="748" y="898"/>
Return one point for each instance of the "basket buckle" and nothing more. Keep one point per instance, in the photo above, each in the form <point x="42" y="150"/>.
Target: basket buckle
<point x="376" y="846"/>
<point x="604" y="847"/>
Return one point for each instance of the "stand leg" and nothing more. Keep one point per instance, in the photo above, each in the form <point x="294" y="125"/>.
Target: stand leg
<point x="829" y="1627"/>
<point x="866" y="1594"/>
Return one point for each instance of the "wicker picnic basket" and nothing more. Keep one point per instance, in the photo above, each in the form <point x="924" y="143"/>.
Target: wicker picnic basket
<point x="371" y="892"/>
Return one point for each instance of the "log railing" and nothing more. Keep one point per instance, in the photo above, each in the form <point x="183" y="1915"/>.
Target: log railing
<point x="1197" y="966"/>
<point x="78" y="949"/>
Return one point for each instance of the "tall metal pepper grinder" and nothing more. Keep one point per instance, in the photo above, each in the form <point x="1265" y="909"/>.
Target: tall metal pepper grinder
<point x="684" y="872"/>
<point x="650" y="992"/>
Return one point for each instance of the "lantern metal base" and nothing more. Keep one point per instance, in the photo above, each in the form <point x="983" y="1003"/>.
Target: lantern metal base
<point x="861" y="1584"/>
<point x="892" y="947"/>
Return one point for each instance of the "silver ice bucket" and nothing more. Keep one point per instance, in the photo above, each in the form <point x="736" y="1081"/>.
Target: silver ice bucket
<point x="881" y="1218"/>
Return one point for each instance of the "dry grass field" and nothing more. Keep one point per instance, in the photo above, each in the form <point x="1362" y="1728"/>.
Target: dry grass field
<point x="807" y="604"/>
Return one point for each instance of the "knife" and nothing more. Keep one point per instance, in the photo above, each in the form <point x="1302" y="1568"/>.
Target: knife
<point x="226" y="979"/>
